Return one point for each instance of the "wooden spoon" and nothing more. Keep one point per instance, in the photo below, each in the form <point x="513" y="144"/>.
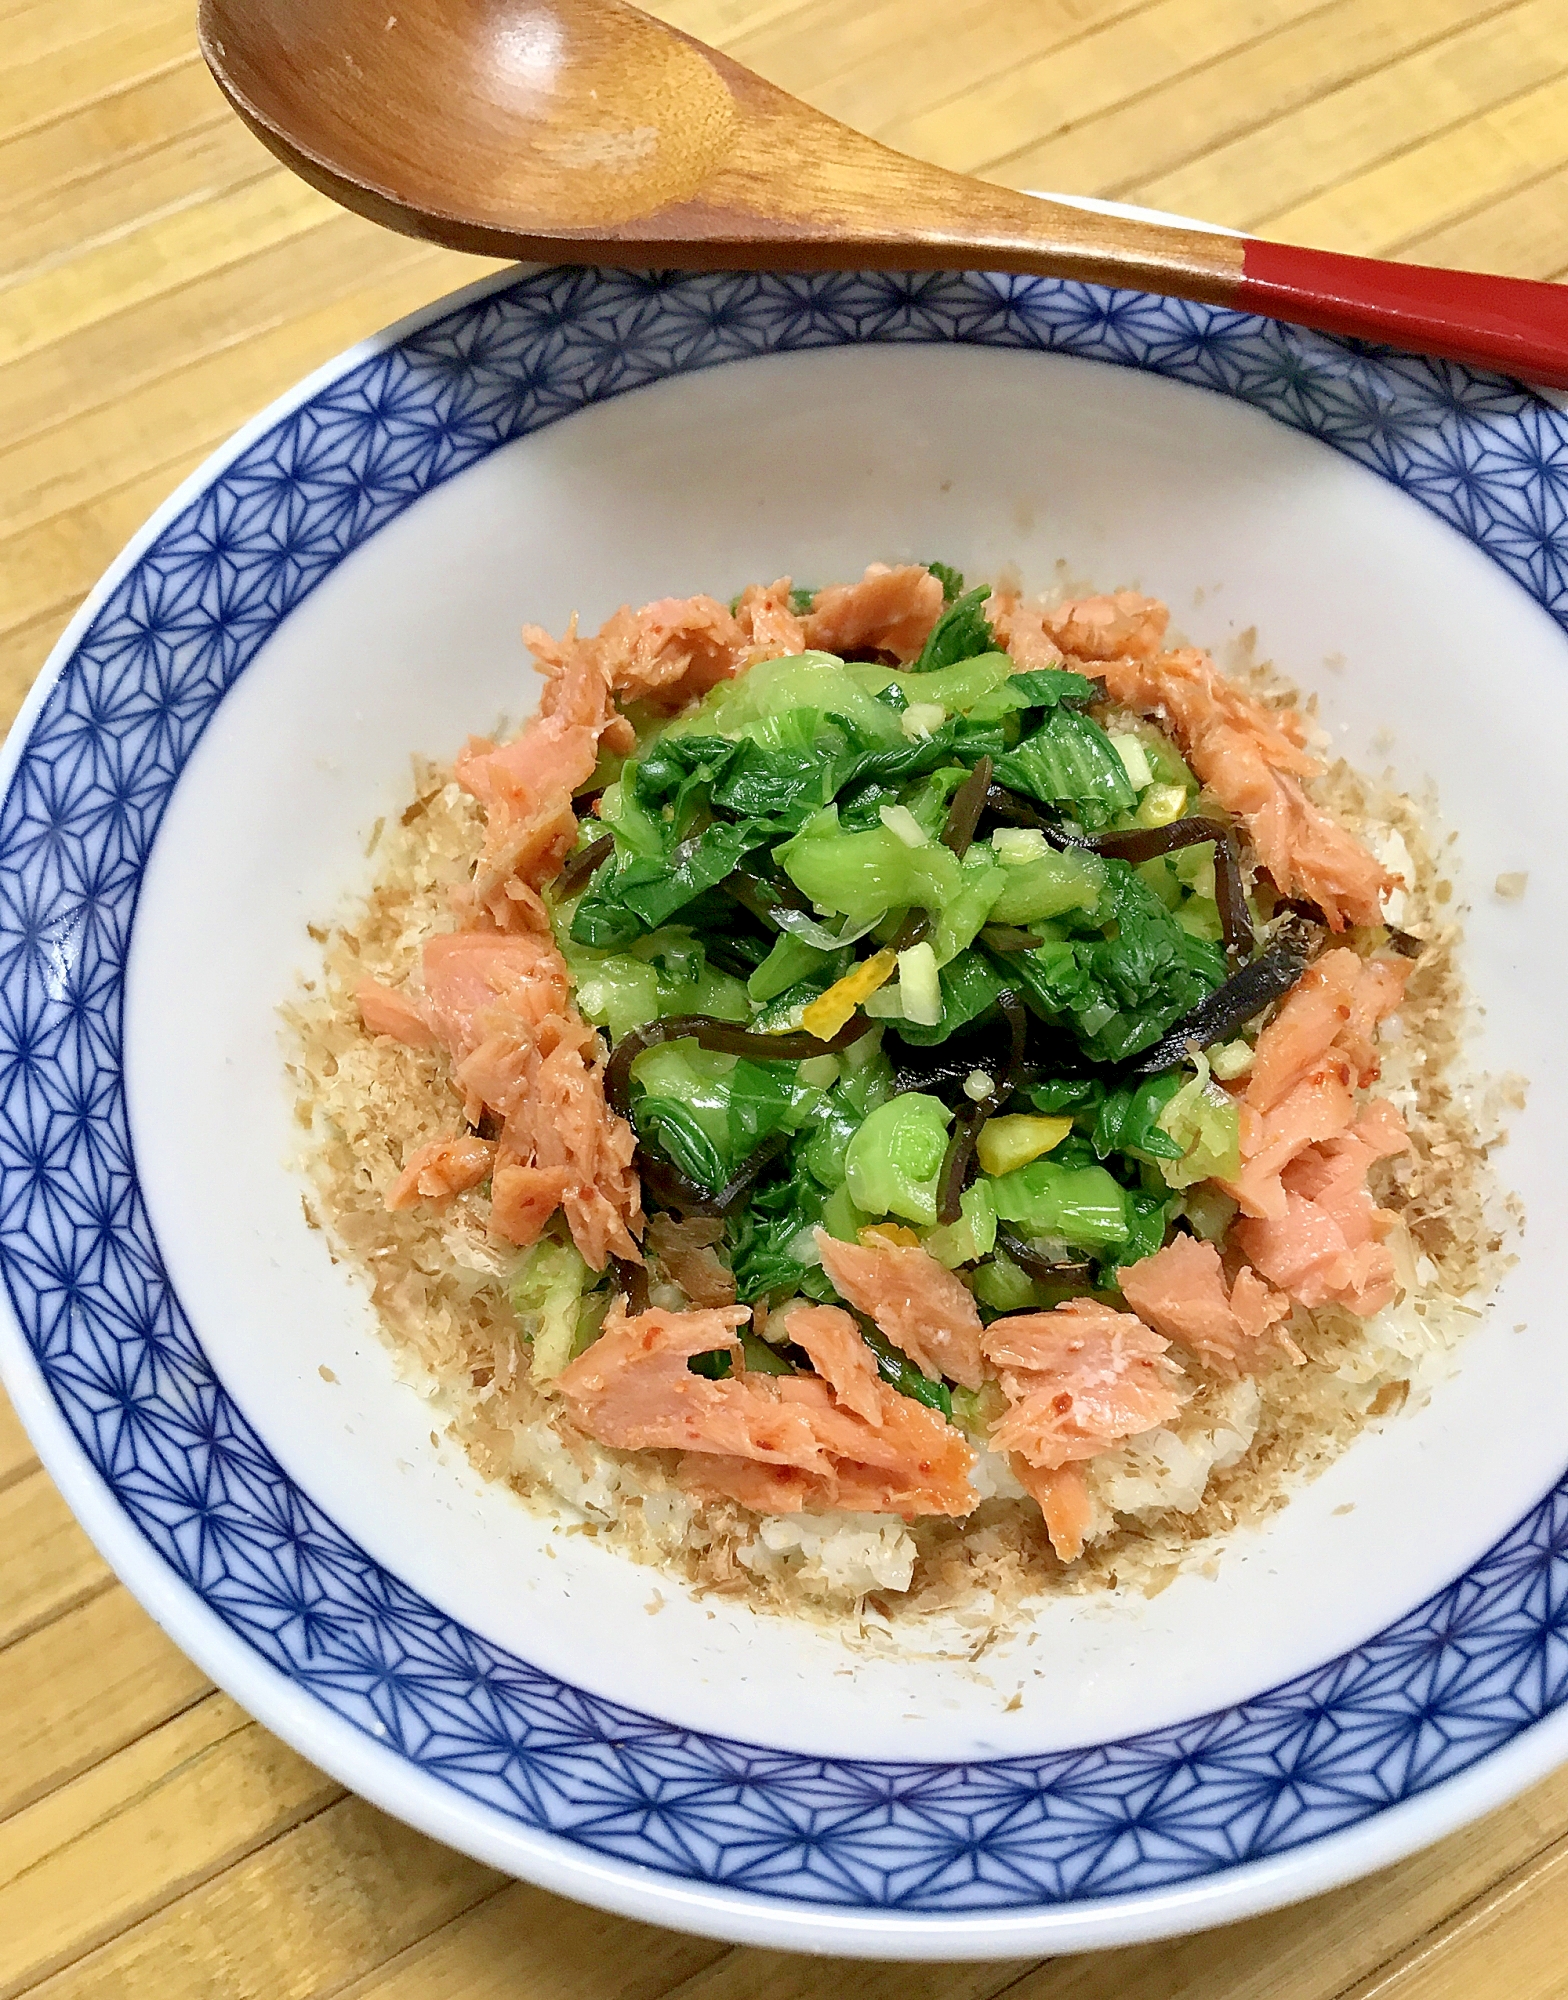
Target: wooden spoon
<point x="585" y="131"/>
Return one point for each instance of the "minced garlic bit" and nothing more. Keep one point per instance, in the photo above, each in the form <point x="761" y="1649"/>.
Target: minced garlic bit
<point x="1509" y="888"/>
<point x="920" y="985"/>
<point x="1016" y="846"/>
<point x="978" y="1085"/>
<point x="922" y="718"/>
<point x="1230" y="1060"/>
<point x="900" y="820"/>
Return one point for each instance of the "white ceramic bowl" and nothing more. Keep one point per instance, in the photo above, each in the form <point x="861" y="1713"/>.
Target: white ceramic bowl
<point x="193" y="778"/>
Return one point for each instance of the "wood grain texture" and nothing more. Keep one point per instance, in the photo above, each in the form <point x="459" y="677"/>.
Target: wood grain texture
<point x="50" y="1566"/>
<point x="159" y="282"/>
<point x="83" y="1686"/>
<point x="16" y="1448"/>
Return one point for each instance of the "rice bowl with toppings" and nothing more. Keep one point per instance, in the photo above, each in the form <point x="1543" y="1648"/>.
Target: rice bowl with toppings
<point x="218" y="761"/>
<point x="904" y="1094"/>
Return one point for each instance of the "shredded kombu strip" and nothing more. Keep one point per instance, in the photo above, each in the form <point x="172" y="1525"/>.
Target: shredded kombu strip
<point x="958" y="1161"/>
<point x="1229" y="1007"/>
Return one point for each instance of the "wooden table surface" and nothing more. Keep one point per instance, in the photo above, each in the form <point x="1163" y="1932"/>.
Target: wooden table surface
<point x="160" y="280"/>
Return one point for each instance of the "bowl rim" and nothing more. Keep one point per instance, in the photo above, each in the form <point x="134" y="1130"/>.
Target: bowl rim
<point x="554" y="1862"/>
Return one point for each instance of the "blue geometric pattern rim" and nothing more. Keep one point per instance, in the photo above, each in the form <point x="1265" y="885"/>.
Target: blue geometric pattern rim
<point x="1433" y="1694"/>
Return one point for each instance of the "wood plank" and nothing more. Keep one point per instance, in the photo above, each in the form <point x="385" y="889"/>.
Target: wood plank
<point x="83" y="1687"/>
<point x="169" y="250"/>
<point x="65" y="466"/>
<point x="115" y="128"/>
<point x="118" y="201"/>
<point x="102" y="363"/>
<point x="296" y="1920"/>
<point x="1245" y="180"/>
<point x="1524" y="235"/>
<point x="1155" y="131"/>
<point x="1440" y="180"/>
<point x="47" y="1564"/>
<point x="52" y="1825"/>
<point x="747" y="1974"/>
<point x="523" y="1941"/>
<point x="837" y="57"/>
<point x="128" y="1838"/>
<point x="52" y="28"/>
<point x="991" y="123"/>
<point x="1510" y="1941"/>
<point x="100" y="65"/>
<point x="721" y="23"/>
<point x="17" y="1456"/>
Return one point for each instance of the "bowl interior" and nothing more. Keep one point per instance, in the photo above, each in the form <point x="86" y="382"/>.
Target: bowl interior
<point x="1425" y="657"/>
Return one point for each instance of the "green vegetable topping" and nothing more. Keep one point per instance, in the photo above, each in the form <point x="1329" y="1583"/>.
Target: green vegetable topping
<point x="860" y="875"/>
<point x="813" y="812"/>
<point x="664" y="973"/>
<point x="708" y="1113"/>
<point x="1082" y="1206"/>
<point x="1069" y="761"/>
<point x="1203" y="1124"/>
<point x="1122" y="982"/>
<point x="906" y="1377"/>
<point x="893" y="1160"/>
<point x="1049" y="886"/>
<point x="546" y="1293"/>
<point x="972" y="1236"/>
<point x="962" y="631"/>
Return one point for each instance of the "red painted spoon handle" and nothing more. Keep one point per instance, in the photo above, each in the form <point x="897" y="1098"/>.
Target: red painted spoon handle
<point x="1517" y="326"/>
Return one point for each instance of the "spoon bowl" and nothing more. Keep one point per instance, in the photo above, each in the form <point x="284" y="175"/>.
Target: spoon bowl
<point x="585" y="131"/>
<point x="480" y="115"/>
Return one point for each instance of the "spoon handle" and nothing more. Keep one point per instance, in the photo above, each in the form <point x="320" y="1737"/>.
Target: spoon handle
<point x="505" y="127"/>
<point x="1518" y="326"/>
